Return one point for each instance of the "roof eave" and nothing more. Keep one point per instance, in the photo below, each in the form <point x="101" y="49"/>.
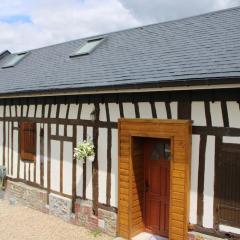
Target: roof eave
<point x="206" y="82"/>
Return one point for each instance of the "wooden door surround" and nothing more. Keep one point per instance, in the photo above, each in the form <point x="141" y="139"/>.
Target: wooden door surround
<point x="131" y="171"/>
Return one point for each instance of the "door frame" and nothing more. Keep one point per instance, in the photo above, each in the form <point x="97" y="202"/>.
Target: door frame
<point x="179" y="132"/>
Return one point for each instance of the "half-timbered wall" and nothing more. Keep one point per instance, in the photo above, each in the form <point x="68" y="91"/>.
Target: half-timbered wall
<point x="64" y="121"/>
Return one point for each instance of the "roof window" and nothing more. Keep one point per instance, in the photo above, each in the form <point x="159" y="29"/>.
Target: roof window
<point x="88" y="47"/>
<point x="14" y="59"/>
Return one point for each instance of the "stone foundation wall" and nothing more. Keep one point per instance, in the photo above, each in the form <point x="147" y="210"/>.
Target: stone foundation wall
<point x="199" y="236"/>
<point x="32" y="197"/>
<point x="60" y="206"/>
<point x="106" y="221"/>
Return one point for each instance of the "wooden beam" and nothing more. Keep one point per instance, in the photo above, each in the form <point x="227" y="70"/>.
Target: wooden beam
<point x="74" y="170"/>
<point x="225" y="113"/>
<point x="84" y="165"/>
<point x="95" y="163"/>
<point x="201" y="169"/>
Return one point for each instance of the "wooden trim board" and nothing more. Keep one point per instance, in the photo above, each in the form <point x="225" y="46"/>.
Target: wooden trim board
<point x="179" y="132"/>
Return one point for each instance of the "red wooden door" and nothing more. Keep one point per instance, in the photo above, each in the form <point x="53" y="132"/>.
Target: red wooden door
<point x="157" y="186"/>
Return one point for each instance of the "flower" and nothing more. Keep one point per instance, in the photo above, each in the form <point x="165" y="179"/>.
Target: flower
<point x="84" y="149"/>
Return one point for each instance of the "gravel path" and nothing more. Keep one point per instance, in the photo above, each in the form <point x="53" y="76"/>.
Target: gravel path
<point x="21" y="223"/>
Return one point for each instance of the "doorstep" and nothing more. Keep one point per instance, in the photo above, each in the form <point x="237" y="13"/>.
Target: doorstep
<point x="144" y="236"/>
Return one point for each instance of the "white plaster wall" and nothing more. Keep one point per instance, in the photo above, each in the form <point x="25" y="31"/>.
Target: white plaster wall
<point x="67" y="167"/>
<point x="53" y="111"/>
<point x="129" y="110"/>
<point x="233" y="114"/>
<point x="55" y="165"/>
<point x="31" y="110"/>
<point x="208" y="193"/>
<point x="13" y="112"/>
<point x="53" y="129"/>
<point x="198" y="114"/>
<point x="31" y="165"/>
<point x="161" y="110"/>
<point x="1" y="143"/>
<point x="174" y="110"/>
<point x="102" y="164"/>
<point x="114" y="170"/>
<point x="216" y="114"/>
<point x="15" y="153"/>
<point x="6" y="146"/>
<point x="61" y="130"/>
<point x="73" y="111"/>
<point x="145" y="110"/>
<point x="114" y="111"/>
<point x="19" y="110"/>
<point x="10" y="149"/>
<point x="86" y="111"/>
<point x="7" y="111"/>
<point x="194" y="179"/>
<point x="21" y="170"/>
<point x="38" y="153"/>
<point x="63" y="111"/>
<point x="102" y="114"/>
<point x="234" y="140"/>
<point x="45" y="154"/>
<point x="39" y="111"/>
<point x="1" y="111"/>
<point x="27" y="170"/>
<point x="69" y="130"/>
<point x="79" y="167"/>
<point x="46" y="108"/>
<point x="25" y="110"/>
<point x="89" y="170"/>
<point x="229" y="229"/>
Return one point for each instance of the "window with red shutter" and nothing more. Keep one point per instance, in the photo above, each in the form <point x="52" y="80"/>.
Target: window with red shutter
<point x="28" y="141"/>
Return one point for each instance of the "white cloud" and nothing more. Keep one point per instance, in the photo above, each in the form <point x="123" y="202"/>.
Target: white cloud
<point x="162" y="10"/>
<point x="54" y="21"/>
<point x="57" y="21"/>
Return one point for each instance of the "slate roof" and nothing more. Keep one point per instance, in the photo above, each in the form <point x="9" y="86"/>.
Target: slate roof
<point x="186" y="51"/>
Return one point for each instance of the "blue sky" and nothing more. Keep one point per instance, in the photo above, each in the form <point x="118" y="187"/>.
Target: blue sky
<point x="28" y="24"/>
<point x="11" y="19"/>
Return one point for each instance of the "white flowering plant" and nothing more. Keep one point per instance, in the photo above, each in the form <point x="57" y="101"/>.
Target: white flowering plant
<point x="84" y="150"/>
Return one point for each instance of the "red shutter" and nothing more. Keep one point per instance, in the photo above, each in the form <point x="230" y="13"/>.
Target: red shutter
<point x="28" y="141"/>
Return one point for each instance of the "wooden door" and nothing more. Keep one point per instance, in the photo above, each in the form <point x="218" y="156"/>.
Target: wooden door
<point x="157" y="186"/>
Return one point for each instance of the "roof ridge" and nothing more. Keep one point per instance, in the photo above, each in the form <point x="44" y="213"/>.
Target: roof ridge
<point x="138" y="27"/>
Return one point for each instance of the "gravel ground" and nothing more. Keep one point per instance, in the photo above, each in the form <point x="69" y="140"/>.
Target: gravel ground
<point x="21" y="223"/>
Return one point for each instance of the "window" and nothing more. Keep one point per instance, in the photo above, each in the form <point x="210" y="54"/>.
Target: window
<point x="28" y="141"/>
<point x="161" y="150"/>
<point x="88" y="47"/>
<point x="14" y="59"/>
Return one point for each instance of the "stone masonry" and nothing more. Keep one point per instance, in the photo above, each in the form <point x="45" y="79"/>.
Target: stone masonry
<point x="60" y="206"/>
<point x="106" y="221"/>
<point x="199" y="236"/>
<point x="30" y="196"/>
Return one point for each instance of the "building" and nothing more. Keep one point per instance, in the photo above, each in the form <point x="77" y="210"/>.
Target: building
<point x="160" y="102"/>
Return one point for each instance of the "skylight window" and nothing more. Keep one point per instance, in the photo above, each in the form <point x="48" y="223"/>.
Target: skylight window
<point x="14" y="59"/>
<point x="88" y="47"/>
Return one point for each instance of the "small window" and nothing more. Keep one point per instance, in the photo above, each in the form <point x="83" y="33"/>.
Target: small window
<point x="88" y="47"/>
<point x="161" y="150"/>
<point x="28" y="141"/>
<point x="14" y="59"/>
